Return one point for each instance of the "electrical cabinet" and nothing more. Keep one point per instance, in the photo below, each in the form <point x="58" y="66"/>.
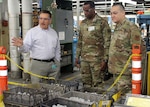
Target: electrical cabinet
<point x="64" y="4"/>
<point x="64" y="28"/>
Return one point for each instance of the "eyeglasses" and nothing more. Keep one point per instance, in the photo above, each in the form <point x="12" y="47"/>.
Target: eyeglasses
<point x="45" y="19"/>
<point x="89" y="10"/>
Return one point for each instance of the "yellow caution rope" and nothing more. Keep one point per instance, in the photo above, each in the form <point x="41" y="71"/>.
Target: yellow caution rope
<point x="122" y="71"/>
<point x="39" y="76"/>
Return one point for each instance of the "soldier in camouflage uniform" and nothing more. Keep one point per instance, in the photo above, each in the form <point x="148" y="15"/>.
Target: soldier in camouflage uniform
<point x="93" y="44"/>
<point x="124" y="36"/>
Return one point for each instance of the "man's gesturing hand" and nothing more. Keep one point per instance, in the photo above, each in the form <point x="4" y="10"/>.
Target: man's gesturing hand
<point x="17" y="41"/>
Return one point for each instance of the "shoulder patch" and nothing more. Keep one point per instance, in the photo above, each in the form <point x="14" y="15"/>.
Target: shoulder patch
<point x="137" y="37"/>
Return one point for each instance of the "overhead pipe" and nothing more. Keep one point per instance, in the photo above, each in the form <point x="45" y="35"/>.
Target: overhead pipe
<point x="112" y="1"/>
<point x="26" y="25"/>
<point x="78" y="13"/>
<point x="13" y="12"/>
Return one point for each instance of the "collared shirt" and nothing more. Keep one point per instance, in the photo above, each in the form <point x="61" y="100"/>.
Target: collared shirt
<point x="42" y="44"/>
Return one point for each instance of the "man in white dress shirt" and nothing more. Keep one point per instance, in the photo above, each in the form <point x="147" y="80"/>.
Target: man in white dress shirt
<point x="43" y="44"/>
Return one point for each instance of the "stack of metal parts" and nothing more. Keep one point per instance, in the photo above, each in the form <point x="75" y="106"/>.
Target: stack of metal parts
<point x="54" y="90"/>
<point x="21" y="96"/>
<point x="79" y="99"/>
<point x="34" y="94"/>
<point x="57" y="92"/>
<point x="72" y="85"/>
<point x="86" y="97"/>
<point x="60" y="102"/>
<point x="57" y="87"/>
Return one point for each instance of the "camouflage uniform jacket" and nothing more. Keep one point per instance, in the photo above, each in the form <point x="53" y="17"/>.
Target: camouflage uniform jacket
<point x="125" y="34"/>
<point x="94" y="39"/>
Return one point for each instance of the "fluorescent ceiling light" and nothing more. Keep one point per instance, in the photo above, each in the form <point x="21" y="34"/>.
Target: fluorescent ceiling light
<point x="128" y="1"/>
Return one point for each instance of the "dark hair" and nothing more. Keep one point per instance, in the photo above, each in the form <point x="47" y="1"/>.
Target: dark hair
<point x="91" y="3"/>
<point x="47" y="12"/>
<point x="120" y="5"/>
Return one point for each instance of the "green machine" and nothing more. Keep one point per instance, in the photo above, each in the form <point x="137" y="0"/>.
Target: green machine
<point x="62" y="22"/>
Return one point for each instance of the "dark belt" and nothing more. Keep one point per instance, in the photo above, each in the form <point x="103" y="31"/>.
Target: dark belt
<point x="49" y="60"/>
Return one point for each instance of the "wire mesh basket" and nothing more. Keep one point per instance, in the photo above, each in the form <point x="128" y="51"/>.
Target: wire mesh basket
<point x="54" y="90"/>
<point x="22" y="96"/>
<point x="72" y="85"/>
<point x="61" y="102"/>
<point x="85" y="97"/>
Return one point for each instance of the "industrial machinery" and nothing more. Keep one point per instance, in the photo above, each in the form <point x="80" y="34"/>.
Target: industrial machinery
<point x="144" y="22"/>
<point x="62" y="22"/>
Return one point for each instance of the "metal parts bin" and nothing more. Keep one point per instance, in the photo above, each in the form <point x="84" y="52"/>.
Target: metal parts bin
<point x="64" y="102"/>
<point x="21" y="96"/>
<point x="85" y="97"/>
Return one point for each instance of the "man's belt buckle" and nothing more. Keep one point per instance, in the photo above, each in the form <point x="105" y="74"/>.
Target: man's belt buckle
<point x="49" y="60"/>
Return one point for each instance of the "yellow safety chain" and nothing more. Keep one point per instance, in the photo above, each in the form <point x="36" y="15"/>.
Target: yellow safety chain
<point x="39" y="76"/>
<point x="1" y="101"/>
<point x="117" y="95"/>
<point x="122" y="71"/>
<point x="44" y="77"/>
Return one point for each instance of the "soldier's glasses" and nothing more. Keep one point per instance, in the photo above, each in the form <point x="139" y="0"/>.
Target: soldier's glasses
<point x="87" y="10"/>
